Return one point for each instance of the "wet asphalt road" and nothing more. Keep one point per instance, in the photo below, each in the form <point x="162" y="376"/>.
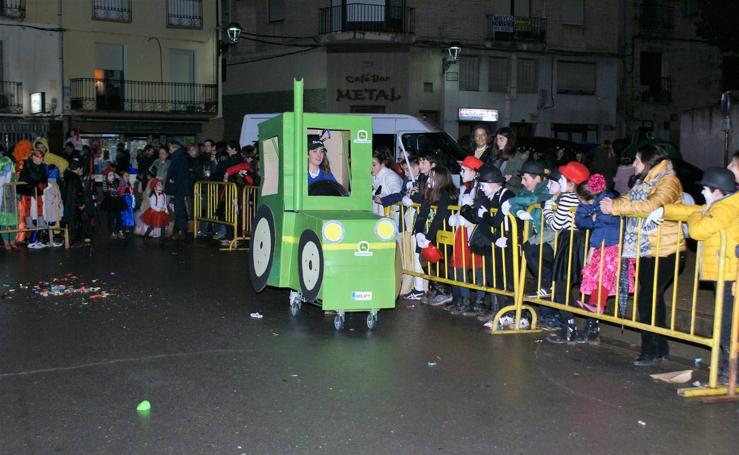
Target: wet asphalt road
<point x="177" y="332"/>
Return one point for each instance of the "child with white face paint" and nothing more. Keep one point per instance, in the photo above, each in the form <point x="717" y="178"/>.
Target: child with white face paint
<point x="705" y="224"/>
<point x="487" y="214"/>
<point x="466" y="264"/>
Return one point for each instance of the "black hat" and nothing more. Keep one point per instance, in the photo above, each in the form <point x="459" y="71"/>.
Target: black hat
<point x="490" y="174"/>
<point x="315" y="144"/>
<point x="554" y="175"/>
<point x="719" y="178"/>
<point x="533" y="168"/>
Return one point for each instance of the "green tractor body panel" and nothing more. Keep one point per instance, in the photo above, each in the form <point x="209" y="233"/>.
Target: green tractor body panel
<point x="358" y="248"/>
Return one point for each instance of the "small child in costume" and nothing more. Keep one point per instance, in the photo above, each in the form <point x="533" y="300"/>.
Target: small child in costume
<point x="126" y="193"/>
<point x="156" y="216"/>
<point x="602" y="265"/>
<point x="53" y="206"/>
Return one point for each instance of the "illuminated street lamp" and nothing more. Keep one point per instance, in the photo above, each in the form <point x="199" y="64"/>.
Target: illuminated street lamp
<point x="454" y="50"/>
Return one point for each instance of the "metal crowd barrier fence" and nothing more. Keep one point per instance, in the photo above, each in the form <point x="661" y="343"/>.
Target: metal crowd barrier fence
<point x="498" y="267"/>
<point x="21" y="226"/>
<point x="216" y="202"/>
<point x="621" y="313"/>
<point x="247" y="208"/>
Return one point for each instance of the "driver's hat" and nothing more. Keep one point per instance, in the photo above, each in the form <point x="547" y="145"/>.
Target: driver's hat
<point x="315" y="144"/>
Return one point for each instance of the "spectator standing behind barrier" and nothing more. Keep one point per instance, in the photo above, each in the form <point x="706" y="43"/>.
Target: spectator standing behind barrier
<point x="160" y="167"/>
<point x="143" y="162"/>
<point x="53" y="206"/>
<point x="440" y="192"/>
<point x="605" y="162"/>
<point x="568" y="261"/>
<point x="656" y="185"/>
<point x="384" y="180"/>
<point x="74" y="204"/>
<point x="112" y="203"/>
<point x="466" y="265"/>
<point x="35" y="175"/>
<point x="734" y="167"/>
<point x="42" y="145"/>
<point x="492" y="195"/>
<point x="178" y="186"/>
<point x="122" y="158"/>
<point x="705" y="224"/>
<point x="508" y="158"/>
<point x="480" y="146"/>
<point x="8" y="207"/>
<point x="602" y="265"/>
<point x="535" y="191"/>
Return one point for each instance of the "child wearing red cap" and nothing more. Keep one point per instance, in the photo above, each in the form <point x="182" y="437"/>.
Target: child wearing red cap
<point x="465" y="263"/>
<point x="570" y="244"/>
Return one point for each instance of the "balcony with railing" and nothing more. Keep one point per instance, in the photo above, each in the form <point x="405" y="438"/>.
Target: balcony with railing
<point x="658" y="92"/>
<point x="13" y="9"/>
<point x="11" y="97"/>
<point x="363" y="17"/>
<point x="517" y="28"/>
<point x="111" y="10"/>
<point x="656" y="19"/>
<point x="123" y="96"/>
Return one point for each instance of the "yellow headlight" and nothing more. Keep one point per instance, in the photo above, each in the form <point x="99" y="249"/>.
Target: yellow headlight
<point x="333" y="231"/>
<point x="385" y="229"/>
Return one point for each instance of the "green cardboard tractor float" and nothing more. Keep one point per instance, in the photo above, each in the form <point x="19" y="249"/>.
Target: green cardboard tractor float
<point x="321" y="240"/>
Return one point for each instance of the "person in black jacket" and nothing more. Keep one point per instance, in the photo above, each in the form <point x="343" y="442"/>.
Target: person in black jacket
<point x="178" y="186"/>
<point x="143" y="162"/>
<point x="493" y="195"/>
<point x="480" y="147"/>
<point x="74" y="203"/>
<point x="35" y="175"/>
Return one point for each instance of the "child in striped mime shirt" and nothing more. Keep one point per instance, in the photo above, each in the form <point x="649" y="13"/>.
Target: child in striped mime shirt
<point x="570" y="244"/>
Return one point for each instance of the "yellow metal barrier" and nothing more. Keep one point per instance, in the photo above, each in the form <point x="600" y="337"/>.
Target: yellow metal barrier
<point x="216" y="202"/>
<point x="685" y="332"/>
<point x="494" y="266"/>
<point x="247" y="209"/>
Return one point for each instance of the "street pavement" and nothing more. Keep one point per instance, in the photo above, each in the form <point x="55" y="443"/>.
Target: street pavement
<point x="176" y="331"/>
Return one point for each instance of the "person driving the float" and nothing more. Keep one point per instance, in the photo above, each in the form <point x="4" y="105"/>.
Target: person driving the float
<point x="318" y="165"/>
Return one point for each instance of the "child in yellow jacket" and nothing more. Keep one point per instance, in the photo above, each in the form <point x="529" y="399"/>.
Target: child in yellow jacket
<point x="705" y="224"/>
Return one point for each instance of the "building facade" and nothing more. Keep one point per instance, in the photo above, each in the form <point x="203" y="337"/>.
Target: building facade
<point x="29" y="64"/>
<point x="668" y="68"/>
<point x="544" y="67"/>
<point x="139" y="71"/>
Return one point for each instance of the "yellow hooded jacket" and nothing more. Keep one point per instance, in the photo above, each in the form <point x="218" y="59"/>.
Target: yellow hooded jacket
<point x="667" y="190"/>
<point x="52" y="158"/>
<point x="705" y="224"/>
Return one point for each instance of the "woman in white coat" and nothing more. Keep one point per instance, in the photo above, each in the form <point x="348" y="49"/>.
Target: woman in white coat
<point x="384" y="180"/>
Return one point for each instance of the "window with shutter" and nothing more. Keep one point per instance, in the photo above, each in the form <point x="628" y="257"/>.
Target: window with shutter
<point x="469" y="73"/>
<point x="526" y="75"/>
<point x="498" y="74"/>
<point x="576" y="77"/>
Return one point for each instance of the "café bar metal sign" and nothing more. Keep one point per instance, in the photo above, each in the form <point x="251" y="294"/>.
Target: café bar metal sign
<point x="362" y="93"/>
<point x="468" y="114"/>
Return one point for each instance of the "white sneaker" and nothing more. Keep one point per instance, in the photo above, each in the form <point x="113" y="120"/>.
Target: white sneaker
<point x="225" y="242"/>
<point x="542" y="293"/>
<point x="56" y="244"/>
<point x="36" y="245"/>
<point x="507" y="320"/>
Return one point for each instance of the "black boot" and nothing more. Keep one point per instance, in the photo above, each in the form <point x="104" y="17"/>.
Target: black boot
<point x="462" y="307"/>
<point x="454" y="305"/>
<point x="471" y="309"/>
<point x="590" y="334"/>
<point x="566" y="334"/>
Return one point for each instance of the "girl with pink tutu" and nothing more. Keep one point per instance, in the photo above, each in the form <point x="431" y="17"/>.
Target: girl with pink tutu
<point x="599" y="275"/>
<point x="157" y="213"/>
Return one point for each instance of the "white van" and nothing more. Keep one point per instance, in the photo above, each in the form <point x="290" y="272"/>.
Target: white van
<point x="399" y="132"/>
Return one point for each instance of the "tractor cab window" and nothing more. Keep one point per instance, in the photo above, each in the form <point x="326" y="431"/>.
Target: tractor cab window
<point x="329" y="162"/>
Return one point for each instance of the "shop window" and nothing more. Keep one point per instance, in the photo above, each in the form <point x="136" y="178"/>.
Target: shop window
<point x="498" y="74"/>
<point x="469" y="73"/>
<point x="526" y="75"/>
<point x="328" y="162"/>
<point x="576" y="78"/>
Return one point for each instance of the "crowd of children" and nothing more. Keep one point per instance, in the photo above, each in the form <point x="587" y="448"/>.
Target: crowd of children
<point x="584" y="237"/>
<point x="41" y="192"/>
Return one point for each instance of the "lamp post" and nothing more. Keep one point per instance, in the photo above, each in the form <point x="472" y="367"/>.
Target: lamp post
<point x="453" y="50"/>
